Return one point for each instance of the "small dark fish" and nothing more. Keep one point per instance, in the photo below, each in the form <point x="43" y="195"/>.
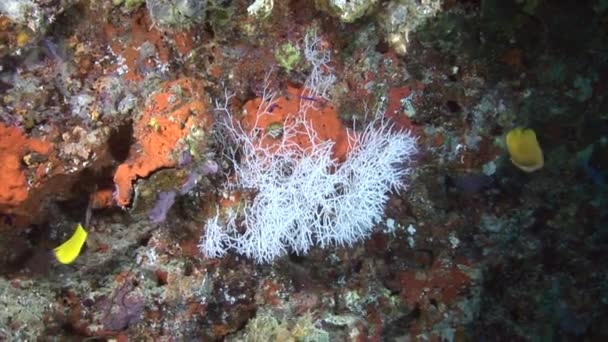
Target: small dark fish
<point x="595" y="175"/>
<point x="470" y="183"/>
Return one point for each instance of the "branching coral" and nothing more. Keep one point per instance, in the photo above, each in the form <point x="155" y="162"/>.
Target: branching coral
<point x="303" y="195"/>
<point x="321" y="77"/>
<point x="308" y="180"/>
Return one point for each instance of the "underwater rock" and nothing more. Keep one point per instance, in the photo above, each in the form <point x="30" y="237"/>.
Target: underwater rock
<point x="177" y="13"/>
<point x="400" y="18"/>
<point x="347" y="11"/>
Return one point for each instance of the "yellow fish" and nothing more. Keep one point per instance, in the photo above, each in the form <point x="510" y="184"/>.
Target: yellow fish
<point x="524" y="149"/>
<point x="68" y="251"/>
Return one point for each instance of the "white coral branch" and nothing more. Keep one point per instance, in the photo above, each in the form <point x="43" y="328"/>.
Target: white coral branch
<point x="305" y="197"/>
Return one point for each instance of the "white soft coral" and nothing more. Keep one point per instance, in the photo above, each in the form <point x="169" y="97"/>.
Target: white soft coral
<point x="303" y="196"/>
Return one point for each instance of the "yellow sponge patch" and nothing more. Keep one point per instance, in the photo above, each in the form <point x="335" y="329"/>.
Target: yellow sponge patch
<point x="68" y="251"/>
<point x="524" y="149"/>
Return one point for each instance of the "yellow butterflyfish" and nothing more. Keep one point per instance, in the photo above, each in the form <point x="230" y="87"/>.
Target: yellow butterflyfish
<point x="524" y="149"/>
<point x="68" y="251"/>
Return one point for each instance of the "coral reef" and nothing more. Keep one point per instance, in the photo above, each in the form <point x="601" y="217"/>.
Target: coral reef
<point x="107" y="123"/>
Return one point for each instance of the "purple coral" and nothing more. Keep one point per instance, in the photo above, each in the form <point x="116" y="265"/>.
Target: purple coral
<point x="164" y="202"/>
<point x="123" y="310"/>
<point x="166" y="199"/>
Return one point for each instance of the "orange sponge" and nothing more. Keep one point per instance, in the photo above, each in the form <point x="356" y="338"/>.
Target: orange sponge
<point x="168" y="117"/>
<point x="323" y="119"/>
<point x="14" y="145"/>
